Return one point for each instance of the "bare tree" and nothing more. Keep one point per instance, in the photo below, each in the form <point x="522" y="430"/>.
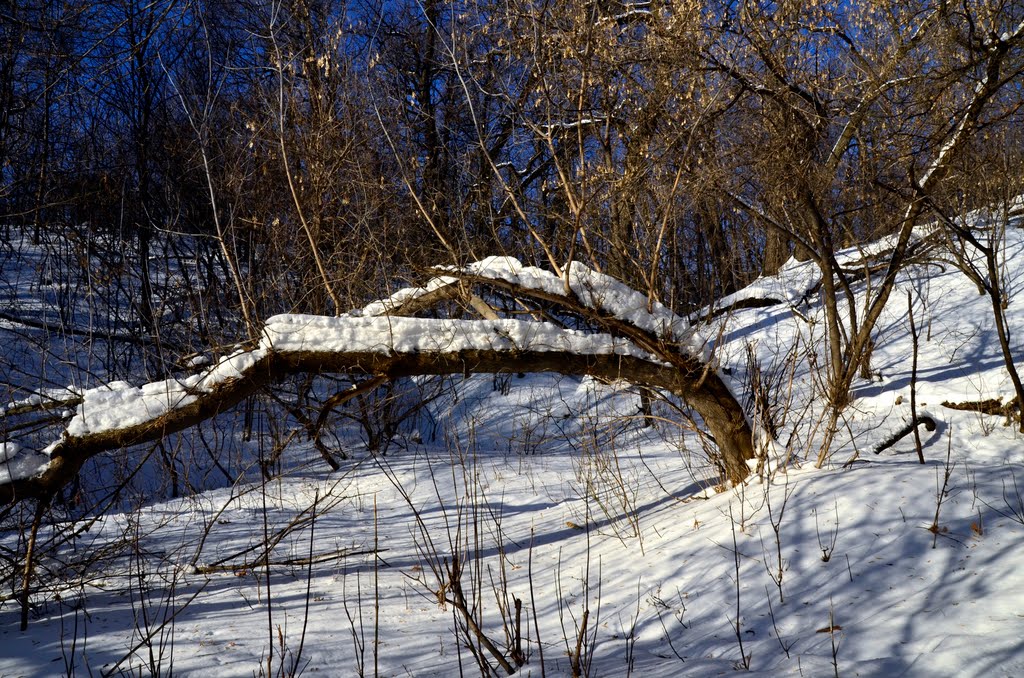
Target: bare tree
<point x="974" y="224"/>
<point x="850" y="144"/>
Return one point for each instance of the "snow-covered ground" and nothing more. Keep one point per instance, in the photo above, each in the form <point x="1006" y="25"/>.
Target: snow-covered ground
<point x="626" y="555"/>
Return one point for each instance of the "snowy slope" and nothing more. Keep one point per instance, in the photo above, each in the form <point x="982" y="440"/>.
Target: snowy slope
<point x="551" y="490"/>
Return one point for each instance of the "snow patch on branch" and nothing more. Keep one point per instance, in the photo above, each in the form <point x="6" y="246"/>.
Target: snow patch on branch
<point x="42" y="399"/>
<point x="401" y="297"/>
<point x="17" y="462"/>
<point x="600" y="292"/>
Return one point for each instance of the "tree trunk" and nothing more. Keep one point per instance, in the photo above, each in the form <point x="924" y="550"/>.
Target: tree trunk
<point x="702" y="389"/>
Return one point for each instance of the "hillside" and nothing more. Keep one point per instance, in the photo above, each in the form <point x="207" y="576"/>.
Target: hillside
<point x="612" y="529"/>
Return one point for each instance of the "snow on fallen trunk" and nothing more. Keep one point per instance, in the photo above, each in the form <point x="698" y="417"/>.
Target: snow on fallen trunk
<point x="798" y="281"/>
<point x="389" y="335"/>
<point x="791" y="285"/>
<point x="120" y="405"/>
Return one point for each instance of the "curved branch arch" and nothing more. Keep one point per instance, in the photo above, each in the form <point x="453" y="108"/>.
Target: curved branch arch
<point x="643" y="348"/>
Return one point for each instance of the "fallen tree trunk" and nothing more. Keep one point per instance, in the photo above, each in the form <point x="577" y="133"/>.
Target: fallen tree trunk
<point x="635" y="340"/>
<point x="991" y="406"/>
<point x="438" y="347"/>
<point x="898" y="435"/>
